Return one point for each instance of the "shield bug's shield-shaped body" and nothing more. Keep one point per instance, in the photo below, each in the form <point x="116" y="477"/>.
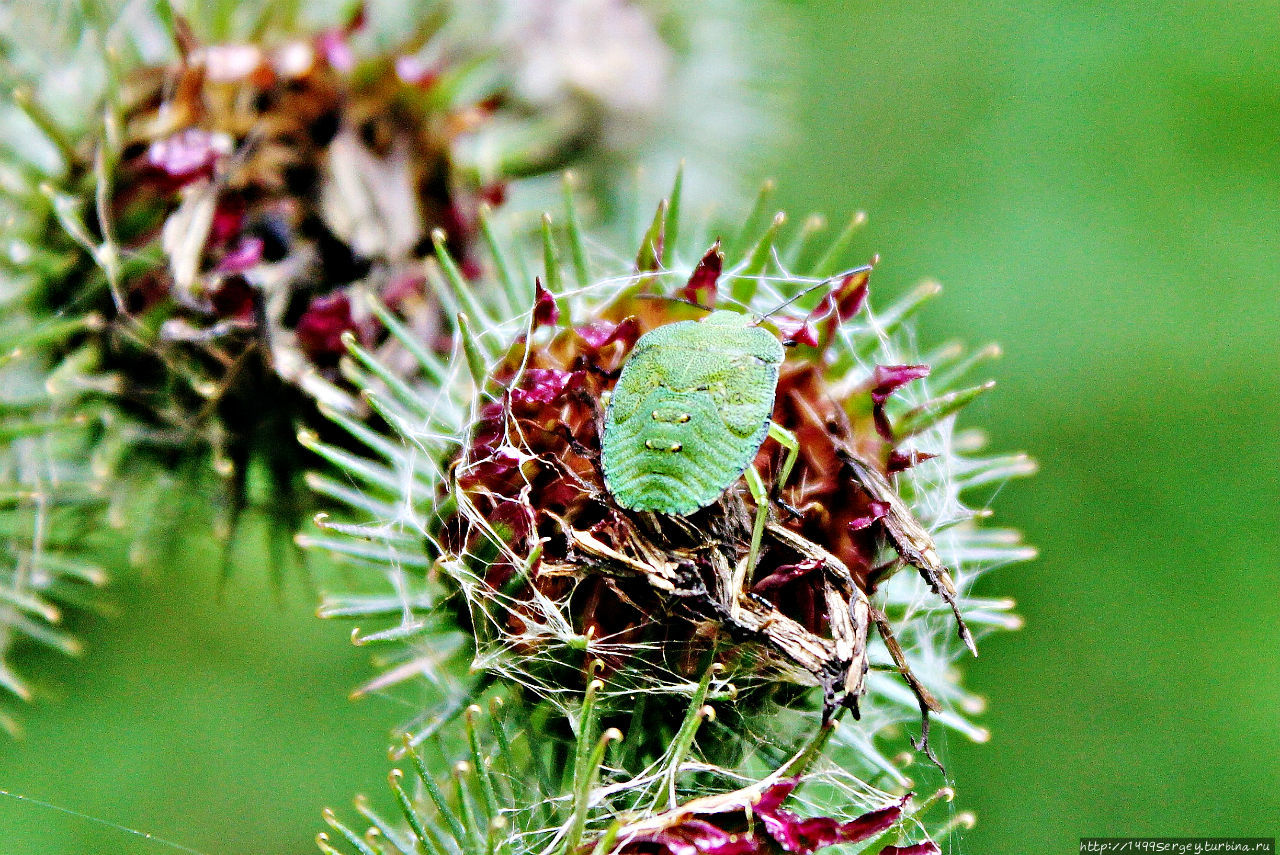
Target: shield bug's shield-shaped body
<point x="689" y="412"/>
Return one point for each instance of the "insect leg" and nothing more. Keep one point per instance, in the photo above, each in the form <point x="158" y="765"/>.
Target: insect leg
<point x="743" y="571"/>
<point x="787" y="440"/>
<point x="761" y="497"/>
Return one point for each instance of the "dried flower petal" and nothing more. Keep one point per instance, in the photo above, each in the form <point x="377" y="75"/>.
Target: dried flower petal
<point x="887" y="379"/>
<point x="545" y="311"/>
<point x="798" y="330"/>
<point x="603" y="333"/>
<point x="875" y="512"/>
<point x="900" y="461"/>
<point x="786" y="573"/>
<point x="851" y="294"/>
<point x="729" y="827"/>
<point x="701" y="288"/>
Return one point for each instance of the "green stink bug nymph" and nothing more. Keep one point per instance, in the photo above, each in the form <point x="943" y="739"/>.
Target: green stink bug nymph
<point x="688" y="414"/>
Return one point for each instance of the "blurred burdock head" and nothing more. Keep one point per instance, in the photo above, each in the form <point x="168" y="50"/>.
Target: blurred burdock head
<point x="239" y="194"/>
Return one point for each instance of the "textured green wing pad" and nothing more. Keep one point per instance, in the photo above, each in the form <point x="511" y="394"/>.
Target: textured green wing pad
<point x="689" y="412"/>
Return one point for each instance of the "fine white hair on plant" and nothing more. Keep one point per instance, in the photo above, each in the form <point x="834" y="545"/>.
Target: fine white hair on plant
<point x="444" y="515"/>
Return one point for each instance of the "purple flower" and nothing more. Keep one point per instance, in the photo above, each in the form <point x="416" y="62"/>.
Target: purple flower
<point x="177" y="160"/>
<point x="544" y="385"/>
<point x="413" y="71"/>
<point x="725" y="825"/>
<point x="246" y="254"/>
<point x="321" y="327"/>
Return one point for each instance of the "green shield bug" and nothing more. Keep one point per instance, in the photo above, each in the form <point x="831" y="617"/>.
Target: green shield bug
<point x="690" y="410"/>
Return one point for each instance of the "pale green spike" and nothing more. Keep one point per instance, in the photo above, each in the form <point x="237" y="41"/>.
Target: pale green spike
<point x="18" y="430"/>
<point x="745" y="281"/>
<point x="515" y="297"/>
<point x="949" y="376"/>
<point x="504" y="745"/>
<point x="475" y="358"/>
<point x="33" y="338"/>
<point x="390" y="538"/>
<point x="813" y="225"/>
<point x="683" y="741"/>
<point x="889" y="321"/>
<point x="61" y="565"/>
<point x="673" y="217"/>
<point x="410" y="813"/>
<point x="588" y="720"/>
<point x="30" y="604"/>
<point x="398" y="419"/>
<point x="577" y="249"/>
<point x="469" y="819"/>
<point x="605" y="844"/>
<point x="582" y="791"/>
<point x="25" y="101"/>
<point x="322" y="841"/>
<point x="403" y="392"/>
<point x="46" y="635"/>
<point x="350" y="836"/>
<point x="829" y="263"/>
<point x="368" y="437"/>
<point x="352" y="465"/>
<point x="551" y="277"/>
<point x="931" y="412"/>
<point x="379" y="554"/>
<point x="758" y="208"/>
<point x="483" y="775"/>
<point x="462" y="290"/>
<point x="388" y="832"/>
<point x="10" y="681"/>
<point x="649" y="259"/>
<point x="372" y="605"/>
<point x="432" y="367"/>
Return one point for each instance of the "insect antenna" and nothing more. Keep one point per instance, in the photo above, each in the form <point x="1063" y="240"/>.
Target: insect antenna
<point x="839" y="276"/>
<point x="789" y="301"/>
<point x="694" y="303"/>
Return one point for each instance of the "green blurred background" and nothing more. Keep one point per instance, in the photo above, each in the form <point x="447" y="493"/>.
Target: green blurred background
<point x="1098" y="188"/>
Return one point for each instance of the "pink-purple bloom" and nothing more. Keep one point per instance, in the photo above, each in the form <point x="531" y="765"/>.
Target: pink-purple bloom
<point x="728" y="826"/>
